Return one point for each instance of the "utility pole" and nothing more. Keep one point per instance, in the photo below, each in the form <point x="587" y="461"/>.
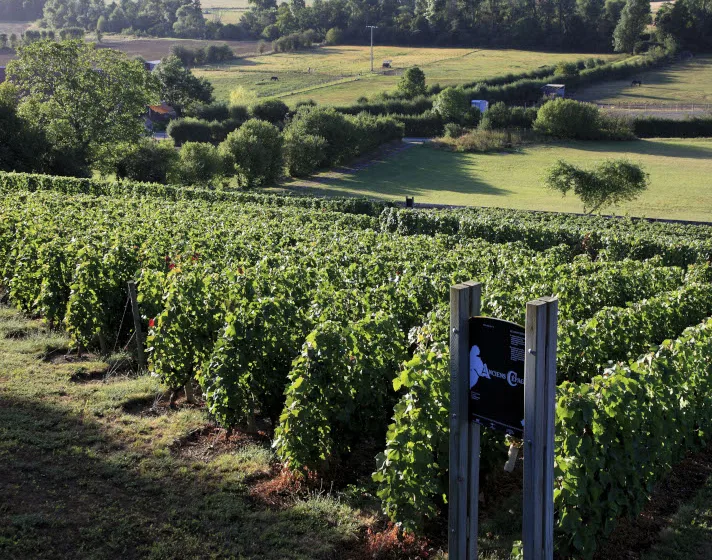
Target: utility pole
<point x="371" y="27"/>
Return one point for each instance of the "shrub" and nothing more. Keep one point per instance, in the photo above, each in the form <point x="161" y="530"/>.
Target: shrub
<point x="189" y="130"/>
<point x="454" y="130"/>
<point x="566" y="118"/>
<point x="302" y="152"/>
<point x="610" y="183"/>
<point x="500" y="116"/>
<point x="426" y="125"/>
<point x="371" y="131"/>
<point x="566" y="69"/>
<point x="333" y="36"/>
<point x="254" y="153"/>
<point x="451" y="104"/>
<point x="653" y="127"/>
<point x="305" y="103"/>
<point x="294" y="42"/>
<point x="217" y="111"/>
<point x="148" y="161"/>
<point x="241" y="96"/>
<point x="239" y="112"/>
<point x="412" y="83"/>
<point x="271" y="110"/>
<point x="335" y="128"/>
<point x="483" y="141"/>
<point x="199" y="163"/>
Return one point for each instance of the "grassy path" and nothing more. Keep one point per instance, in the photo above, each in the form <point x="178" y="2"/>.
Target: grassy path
<point x="93" y="464"/>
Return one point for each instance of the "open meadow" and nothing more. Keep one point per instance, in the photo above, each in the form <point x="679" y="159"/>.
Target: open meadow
<point x="682" y="83"/>
<point x="348" y="67"/>
<point x="679" y="177"/>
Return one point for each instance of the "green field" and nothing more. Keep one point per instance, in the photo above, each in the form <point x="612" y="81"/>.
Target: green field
<point x="685" y="82"/>
<point x="679" y="177"/>
<point x="446" y="66"/>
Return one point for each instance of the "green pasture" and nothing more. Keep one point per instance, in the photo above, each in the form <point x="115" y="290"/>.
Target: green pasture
<point x="447" y="66"/>
<point x="680" y="172"/>
<point x="684" y="82"/>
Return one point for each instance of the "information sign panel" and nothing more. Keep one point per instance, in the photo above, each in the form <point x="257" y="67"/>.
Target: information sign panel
<point x="497" y="375"/>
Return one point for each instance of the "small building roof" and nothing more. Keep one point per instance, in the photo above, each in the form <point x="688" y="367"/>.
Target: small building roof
<point x="555" y="85"/>
<point x="162" y="109"/>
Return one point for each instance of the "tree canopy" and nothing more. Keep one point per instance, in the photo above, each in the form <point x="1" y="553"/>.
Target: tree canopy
<point x="179" y="87"/>
<point x="83" y="98"/>
<point x="611" y="183"/>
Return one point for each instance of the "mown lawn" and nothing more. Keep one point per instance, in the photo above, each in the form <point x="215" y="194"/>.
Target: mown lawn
<point x="684" y="82"/>
<point x="446" y="66"/>
<point x="680" y="171"/>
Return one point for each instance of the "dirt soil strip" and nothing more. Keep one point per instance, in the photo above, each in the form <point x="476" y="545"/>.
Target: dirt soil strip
<point x="631" y="538"/>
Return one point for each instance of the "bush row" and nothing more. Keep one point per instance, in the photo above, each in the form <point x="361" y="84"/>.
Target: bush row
<point x="17" y="182"/>
<point x="619" y="434"/>
<point x="677" y="244"/>
<point x="655" y="127"/>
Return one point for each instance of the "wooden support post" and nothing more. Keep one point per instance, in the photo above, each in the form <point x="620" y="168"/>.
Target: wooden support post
<point x="474" y="448"/>
<point x="137" y="325"/>
<point x="464" y="299"/>
<point x="539" y="395"/>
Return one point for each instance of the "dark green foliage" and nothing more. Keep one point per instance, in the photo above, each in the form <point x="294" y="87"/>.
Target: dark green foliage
<point x="22" y="148"/>
<point x="253" y="153"/>
<point x="654" y="127"/>
<point x="610" y="183"/>
<point x="452" y="104"/>
<point x="148" y="161"/>
<point x="189" y="130"/>
<point x="113" y="101"/>
<point x="634" y="17"/>
<point x="210" y="54"/>
<point x="179" y="87"/>
<point x="303" y="153"/>
<point x="271" y="110"/>
<point x="566" y="118"/>
<point x="217" y="111"/>
<point x="427" y="125"/>
<point x="199" y="163"/>
<point x="333" y="36"/>
<point x="412" y="83"/>
<point x="500" y="116"/>
<point x="294" y="42"/>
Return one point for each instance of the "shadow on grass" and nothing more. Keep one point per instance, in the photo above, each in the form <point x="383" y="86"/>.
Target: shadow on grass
<point x="70" y="491"/>
<point x="415" y="172"/>
<point x="647" y="148"/>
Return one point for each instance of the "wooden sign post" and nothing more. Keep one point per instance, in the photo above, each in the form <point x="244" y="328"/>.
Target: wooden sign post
<point x="503" y="377"/>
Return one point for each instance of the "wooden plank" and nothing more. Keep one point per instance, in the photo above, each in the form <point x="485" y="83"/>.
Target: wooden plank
<point x="457" y="519"/>
<point x="474" y="443"/>
<point x="473" y="509"/>
<point x="534" y="424"/>
<point x="137" y="326"/>
<point x="552" y="322"/>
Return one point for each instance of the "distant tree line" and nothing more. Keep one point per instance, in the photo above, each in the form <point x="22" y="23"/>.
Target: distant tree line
<point x="20" y="10"/>
<point x="583" y="25"/>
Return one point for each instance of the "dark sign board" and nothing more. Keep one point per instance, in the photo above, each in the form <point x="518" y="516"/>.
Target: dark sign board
<point x="497" y="375"/>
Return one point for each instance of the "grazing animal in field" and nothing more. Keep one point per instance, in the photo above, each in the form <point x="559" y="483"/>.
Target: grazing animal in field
<point x="274" y="78"/>
<point x="636" y="83"/>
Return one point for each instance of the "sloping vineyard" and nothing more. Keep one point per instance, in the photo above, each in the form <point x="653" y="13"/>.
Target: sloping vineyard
<point x="329" y="323"/>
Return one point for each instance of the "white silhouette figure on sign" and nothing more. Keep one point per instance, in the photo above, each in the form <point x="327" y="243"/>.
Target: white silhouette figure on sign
<point x="477" y="367"/>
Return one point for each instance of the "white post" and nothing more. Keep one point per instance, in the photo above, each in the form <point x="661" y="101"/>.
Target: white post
<point x="371" y="27"/>
<point x="539" y="403"/>
<point x="464" y="303"/>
